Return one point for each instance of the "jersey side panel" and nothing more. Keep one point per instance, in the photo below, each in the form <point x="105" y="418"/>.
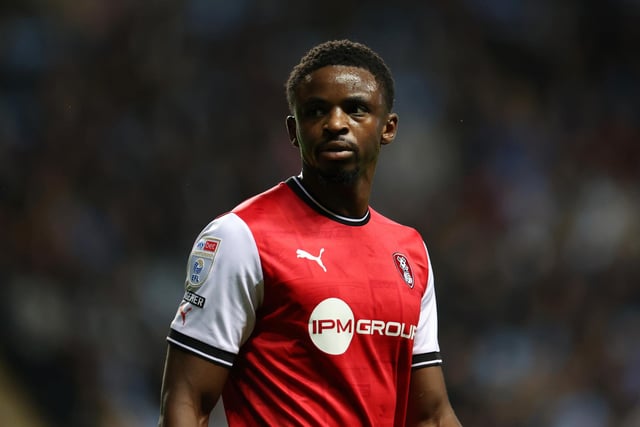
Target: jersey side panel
<point x="426" y="350"/>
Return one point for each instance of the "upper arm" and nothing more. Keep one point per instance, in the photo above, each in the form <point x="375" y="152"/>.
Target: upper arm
<point x="191" y="386"/>
<point x="428" y="403"/>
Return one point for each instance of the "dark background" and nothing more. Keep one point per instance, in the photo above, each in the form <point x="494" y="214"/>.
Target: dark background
<point x="126" y="126"/>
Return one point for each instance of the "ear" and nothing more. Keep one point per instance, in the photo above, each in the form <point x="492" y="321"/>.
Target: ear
<point x="389" y="129"/>
<point x="292" y="130"/>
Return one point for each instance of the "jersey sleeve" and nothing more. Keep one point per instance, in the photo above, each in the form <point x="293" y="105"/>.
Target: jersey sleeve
<point x="426" y="350"/>
<point x="223" y="289"/>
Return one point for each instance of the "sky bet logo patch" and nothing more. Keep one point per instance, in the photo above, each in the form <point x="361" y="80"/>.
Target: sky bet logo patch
<point x="209" y="245"/>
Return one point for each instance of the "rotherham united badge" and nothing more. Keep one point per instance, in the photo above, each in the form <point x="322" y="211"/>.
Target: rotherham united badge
<point x="402" y="264"/>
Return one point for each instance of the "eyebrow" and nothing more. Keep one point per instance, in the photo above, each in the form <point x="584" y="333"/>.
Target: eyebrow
<point x="355" y="99"/>
<point x="359" y="99"/>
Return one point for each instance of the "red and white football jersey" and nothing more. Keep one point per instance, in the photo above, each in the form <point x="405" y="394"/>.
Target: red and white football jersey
<point x="319" y="317"/>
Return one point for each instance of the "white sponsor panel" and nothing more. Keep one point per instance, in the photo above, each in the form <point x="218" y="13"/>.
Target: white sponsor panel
<point x="332" y="326"/>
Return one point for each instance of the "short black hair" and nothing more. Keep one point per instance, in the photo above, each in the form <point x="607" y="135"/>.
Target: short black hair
<point x="342" y="52"/>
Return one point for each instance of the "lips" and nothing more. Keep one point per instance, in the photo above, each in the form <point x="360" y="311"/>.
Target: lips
<point x="337" y="146"/>
<point x="338" y="150"/>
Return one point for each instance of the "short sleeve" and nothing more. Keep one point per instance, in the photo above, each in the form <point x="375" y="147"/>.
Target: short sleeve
<point x="426" y="350"/>
<point x="223" y="290"/>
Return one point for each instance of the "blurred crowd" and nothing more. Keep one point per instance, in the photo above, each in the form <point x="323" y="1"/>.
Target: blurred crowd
<point x="125" y="127"/>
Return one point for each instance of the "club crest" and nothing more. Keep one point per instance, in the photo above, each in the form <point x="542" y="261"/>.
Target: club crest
<point x="402" y="264"/>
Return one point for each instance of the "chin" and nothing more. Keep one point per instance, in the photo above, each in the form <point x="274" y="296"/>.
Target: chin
<point x="345" y="177"/>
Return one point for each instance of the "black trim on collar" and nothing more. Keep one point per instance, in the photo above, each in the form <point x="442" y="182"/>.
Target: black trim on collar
<point x="296" y="185"/>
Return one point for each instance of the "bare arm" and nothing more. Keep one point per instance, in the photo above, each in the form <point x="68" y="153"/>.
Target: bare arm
<point x="428" y="401"/>
<point x="191" y="386"/>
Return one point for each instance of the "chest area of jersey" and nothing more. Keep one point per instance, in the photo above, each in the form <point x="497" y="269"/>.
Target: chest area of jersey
<point x="343" y="273"/>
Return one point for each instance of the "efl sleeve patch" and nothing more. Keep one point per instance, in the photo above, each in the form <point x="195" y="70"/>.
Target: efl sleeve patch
<point x="201" y="262"/>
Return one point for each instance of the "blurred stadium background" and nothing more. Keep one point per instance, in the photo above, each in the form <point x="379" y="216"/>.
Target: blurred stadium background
<point x="126" y="126"/>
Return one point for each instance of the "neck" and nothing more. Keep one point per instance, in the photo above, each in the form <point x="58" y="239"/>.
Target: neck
<point x="346" y="199"/>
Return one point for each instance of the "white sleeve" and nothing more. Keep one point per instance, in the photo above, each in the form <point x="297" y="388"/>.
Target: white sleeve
<point x="223" y="290"/>
<point x="426" y="350"/>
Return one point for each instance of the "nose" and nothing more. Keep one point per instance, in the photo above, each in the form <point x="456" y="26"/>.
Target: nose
<point x="336" y="121"/>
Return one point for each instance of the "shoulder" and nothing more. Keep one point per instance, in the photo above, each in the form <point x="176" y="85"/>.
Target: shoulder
<point x="273" y="196"/>
<point x="409" y="242"/>
<point x="384" y="222"/>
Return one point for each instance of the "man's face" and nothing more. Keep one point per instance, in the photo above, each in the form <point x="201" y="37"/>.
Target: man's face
<point x="340" y="123"/>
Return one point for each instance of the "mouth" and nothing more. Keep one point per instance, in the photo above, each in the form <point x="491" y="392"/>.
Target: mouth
<point x="337" y="150"/>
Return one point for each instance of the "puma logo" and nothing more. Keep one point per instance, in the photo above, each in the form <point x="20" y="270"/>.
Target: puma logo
<point x="307" y="255"/>
<point x="183" y="313"/>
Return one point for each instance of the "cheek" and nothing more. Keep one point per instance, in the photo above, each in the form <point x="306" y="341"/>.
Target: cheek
<point x="371" y="135"/>
<point x="306" y="149"/>
<point x="305" y="138"/>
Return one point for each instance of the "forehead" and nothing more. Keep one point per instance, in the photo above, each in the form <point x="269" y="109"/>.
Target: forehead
<point x="338" y="79"/>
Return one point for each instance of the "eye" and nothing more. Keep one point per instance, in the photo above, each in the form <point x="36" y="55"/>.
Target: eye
<point x="356" y="109"/>
<point x="314" y="111"/>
